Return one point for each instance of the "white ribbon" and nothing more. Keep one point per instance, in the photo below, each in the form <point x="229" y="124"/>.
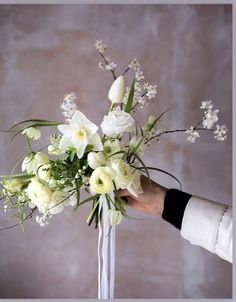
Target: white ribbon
<point x="106" y="251"/>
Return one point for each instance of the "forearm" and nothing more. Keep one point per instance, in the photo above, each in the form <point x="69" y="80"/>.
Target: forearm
<point x="200" y="221"/>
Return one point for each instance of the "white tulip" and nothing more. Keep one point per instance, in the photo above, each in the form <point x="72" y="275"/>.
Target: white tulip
<point x="117" y="90"/>
<point x="96" y="159"/>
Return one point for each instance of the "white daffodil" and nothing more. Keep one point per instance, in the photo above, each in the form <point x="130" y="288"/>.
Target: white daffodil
<point x="95" y="159"/>
<point x="117" y="90"/>
<point x="32" y="133"/>
<point x="101" y="180"/>
<point x="33" y="162"/>
<point x="78" y="134"/>
<point x="114" y="216"/>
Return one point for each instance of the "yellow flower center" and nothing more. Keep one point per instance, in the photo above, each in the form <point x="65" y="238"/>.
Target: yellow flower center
<point x="80" y="134"/>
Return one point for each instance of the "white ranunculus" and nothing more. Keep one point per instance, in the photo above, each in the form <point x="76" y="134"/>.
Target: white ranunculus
<point x="117" y="122"/>
<point x="44" y="172"/>
<point x="123" y="173"/>
<point x="32" y="133"/>
<point x="114" y="216"/>
<point x="117" y="90"/>
<point x="39" y="194"/>
<point x="135" y="187"/>
<point x="78" y="134"/>
<point x="101" y="180"/>
<point x="126" y="177"/>
<point x="44" y="198"/>
<point x="96" y="159"/>
<point x="110" y="147"/>
<point x="31" y="163"/>
<point x="57" y="202"/>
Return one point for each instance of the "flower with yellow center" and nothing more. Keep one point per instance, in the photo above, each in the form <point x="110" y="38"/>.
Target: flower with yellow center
<point x="79" y="133"/>
<point x="101" y="180"/>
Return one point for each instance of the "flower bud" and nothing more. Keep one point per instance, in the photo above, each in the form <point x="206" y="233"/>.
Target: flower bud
<point x="95" y="159"/>
<point x="32" y="133"/>
<point x="114" y="216"/>
<point x="117" y="90"/>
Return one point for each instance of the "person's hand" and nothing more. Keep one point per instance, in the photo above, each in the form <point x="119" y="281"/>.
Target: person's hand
<point x="151" y="200"/>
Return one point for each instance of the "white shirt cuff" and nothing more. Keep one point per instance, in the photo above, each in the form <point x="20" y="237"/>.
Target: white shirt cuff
<point x="201" y="222"/>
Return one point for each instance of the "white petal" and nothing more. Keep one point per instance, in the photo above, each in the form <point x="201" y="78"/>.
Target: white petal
<point x="65" y="143"/>
<point x="96" y="142"/>
<point x="81" y="121"/>
<point x="80" y="150"/>
<point x="66" y="129"/>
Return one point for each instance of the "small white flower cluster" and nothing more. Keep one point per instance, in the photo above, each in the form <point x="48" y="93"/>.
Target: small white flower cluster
<point x="220" y="133"/>
<point x="143" y="91"/>
<point x="210" y="117"/>
<point x="100" y="46"/>
<point x="43" y="220"/>
<point x="193" y="134"/>
<point x="209" y="120"/>
<point x="108" y="64"/>
<point x="68" y="106"/>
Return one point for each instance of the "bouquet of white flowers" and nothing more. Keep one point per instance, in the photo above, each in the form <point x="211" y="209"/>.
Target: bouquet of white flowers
<point x="79" y="158"/>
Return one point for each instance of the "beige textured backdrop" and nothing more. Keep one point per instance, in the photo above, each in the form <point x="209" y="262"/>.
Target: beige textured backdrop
<point x="46" y="52"/>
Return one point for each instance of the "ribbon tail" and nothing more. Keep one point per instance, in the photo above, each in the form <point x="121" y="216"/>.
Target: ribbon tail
<point x="106" y="252"/>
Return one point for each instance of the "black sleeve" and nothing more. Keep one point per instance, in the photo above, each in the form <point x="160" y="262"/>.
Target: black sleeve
<point x="174" y="206"/>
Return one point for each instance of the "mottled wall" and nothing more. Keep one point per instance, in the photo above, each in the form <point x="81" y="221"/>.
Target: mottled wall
<point x="46" y="52"/>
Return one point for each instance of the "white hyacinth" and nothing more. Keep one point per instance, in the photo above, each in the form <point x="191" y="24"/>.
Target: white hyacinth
<point x="68" y="106"/>
<point x="220" y="133"/>
<point x="192" y="134"/>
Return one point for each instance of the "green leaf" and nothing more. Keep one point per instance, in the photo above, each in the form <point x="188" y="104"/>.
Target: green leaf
<point x="33" y="123"/>
<point x="118" y="152"/>
<point x="72" y="155"/>
<point x="157" y="119"/>
<point x="129" y="103"/>
<point x="88" y="148"/>
<point x="86" y="200"/>
<point x="162" y="171"/>
<point x="93" y="212"/>
<point x="17" y="176"/>
<point x="78" y="186"/>
<point x="143" y="165"/>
